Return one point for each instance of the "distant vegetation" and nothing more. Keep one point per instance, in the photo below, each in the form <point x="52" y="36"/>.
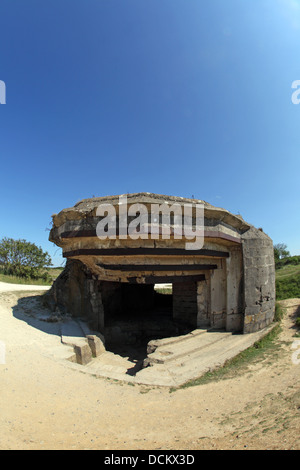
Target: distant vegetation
<point x="52" y="274"/>
<point x="288" y="261"/>
<point x="281" y="251"/>
<point x="287" y="273"/>
<point x="22" y="262"/>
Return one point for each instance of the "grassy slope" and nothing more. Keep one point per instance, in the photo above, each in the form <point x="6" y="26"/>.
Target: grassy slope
<point x="288" y="282"/>
<point x="287" y="271"/>
<point x="53" y="273"/>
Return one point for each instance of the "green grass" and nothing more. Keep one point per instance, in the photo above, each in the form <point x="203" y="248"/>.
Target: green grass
<point x="287" y="271"/>
<point x="288" y="279"/>
<point x="279" y="312"/>
<point x="288" y="287"/>
<point x="53" y="273"/>
<point x="164" y="290"/>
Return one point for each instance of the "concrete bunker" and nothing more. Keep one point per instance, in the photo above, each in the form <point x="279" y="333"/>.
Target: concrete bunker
<point x="228" y="284"/>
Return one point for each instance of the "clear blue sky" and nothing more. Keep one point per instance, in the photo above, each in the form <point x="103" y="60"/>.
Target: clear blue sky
<point x="178" y="97"/>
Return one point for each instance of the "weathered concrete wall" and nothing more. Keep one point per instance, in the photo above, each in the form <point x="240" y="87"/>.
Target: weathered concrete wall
<point x="234" y="286"/>
<point x="77" y="293"/>
<point x="259" y="280"/>
<point x="219" y="295"/>
<point x="204" y="303"/>
<point x="68" y="292"/>
<point x="185" y="303"/>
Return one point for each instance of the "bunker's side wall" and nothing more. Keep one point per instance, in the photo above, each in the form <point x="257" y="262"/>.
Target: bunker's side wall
<point x="259" y="280"/>
<point x="75" y="292"/>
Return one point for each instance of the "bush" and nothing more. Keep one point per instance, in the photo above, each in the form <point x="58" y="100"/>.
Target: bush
<point x="23" y="259"/>
<point x="290" y="260"/>
<point x="280" y="251"/>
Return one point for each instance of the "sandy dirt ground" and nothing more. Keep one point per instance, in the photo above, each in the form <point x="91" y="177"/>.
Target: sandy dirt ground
<point x="46" y="404"/>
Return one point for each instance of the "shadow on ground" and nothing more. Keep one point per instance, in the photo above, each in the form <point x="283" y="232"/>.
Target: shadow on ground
<point x="30" y="309"/>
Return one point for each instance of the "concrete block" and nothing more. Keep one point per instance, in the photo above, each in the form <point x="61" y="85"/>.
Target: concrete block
<point x="83" y="353"/>
<point x="96" y="345"/>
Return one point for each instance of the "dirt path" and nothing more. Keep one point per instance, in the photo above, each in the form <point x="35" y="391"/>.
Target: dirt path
<point x="6" y="287"/>
<point x="46" y="404"/>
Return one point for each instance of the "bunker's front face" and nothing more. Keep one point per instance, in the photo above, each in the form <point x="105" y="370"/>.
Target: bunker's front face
<point x="227" y="282"/>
